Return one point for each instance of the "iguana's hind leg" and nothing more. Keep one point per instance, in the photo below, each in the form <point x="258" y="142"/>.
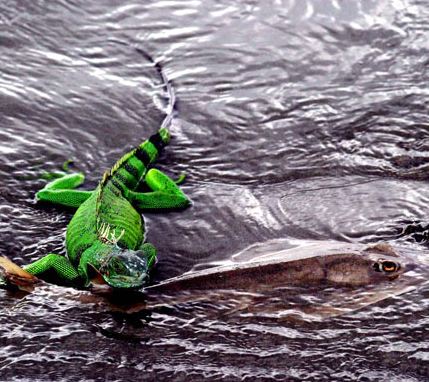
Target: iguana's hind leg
<point x="60" y="265"/>
<point x="66" y="182"/>
<point x="60" y="191"/>
<point x="166" y="193"/>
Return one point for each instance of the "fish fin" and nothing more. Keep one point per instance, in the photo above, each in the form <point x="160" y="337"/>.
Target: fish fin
<point x="383" y="248"/>
<point x="12" y="269"/>
<point x="12" y="274"/>
<point x="243" y="307"/>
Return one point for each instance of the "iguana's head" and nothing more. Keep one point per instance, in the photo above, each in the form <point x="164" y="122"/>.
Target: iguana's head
<point x="124" y="268"/>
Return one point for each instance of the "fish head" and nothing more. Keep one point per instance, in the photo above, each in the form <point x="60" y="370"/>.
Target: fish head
<point x="371" y="266"/>
<point x="388" y="263"/>
<point x="386" y="268"/>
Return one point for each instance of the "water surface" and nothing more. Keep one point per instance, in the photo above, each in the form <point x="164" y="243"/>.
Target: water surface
<point x="298" y="120"/>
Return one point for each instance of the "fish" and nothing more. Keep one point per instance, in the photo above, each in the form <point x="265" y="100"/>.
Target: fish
<point x="310" y="281"/>
<point x="347" y="265"/>
<point x="305" y="281"/>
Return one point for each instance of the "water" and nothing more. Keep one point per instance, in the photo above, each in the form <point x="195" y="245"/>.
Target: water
<point x="296" y="119"/>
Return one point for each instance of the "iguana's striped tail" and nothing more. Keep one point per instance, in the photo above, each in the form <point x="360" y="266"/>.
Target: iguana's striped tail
<point x="127" y="171"/>
<point x="171" y="96"/>
<point x="171" y="105"/>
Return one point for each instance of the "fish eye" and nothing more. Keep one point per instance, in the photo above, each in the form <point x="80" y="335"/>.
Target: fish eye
<point x="390" y="266"/>
<point x="386" y="266"/>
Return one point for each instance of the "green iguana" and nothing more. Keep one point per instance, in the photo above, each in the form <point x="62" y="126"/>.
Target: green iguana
<point x="106" y="234"/>
<point x="105" y="237"/>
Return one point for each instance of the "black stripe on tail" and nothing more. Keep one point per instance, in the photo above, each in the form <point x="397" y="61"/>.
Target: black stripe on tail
<point x="157" y="141"/>
<point x="142" y="155"/>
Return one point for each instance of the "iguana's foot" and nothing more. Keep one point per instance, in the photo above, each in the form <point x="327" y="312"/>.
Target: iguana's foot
<point x="181" y="178"/>
<point x="165" y="193"/>
<point x="58" y="174"/>
<point x="60" y="191"/>
<point x="66" y="182"/>
<point x="66" y="165"/>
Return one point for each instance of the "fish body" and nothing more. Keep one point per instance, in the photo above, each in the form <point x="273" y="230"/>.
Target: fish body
<point x="310" y="281"/>
<point x="322" y="263"/>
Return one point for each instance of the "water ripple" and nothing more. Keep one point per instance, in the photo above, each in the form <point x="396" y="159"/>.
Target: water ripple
<point x="296" y="120"/>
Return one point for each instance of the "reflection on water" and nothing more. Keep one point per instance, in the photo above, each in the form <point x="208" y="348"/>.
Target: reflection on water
<point x="298" y="120"/>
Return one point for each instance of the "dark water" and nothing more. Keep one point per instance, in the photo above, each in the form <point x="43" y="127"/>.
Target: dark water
<point x="296" y="119"/>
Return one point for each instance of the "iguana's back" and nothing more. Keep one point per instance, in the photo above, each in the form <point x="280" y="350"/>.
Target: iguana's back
<point x="81" y="231"/>
<point x="108" y="215"/>
<point x="96" y="219"/>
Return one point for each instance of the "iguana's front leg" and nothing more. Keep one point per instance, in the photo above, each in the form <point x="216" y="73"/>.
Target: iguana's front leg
<point x="58" y="264"/>
<point x="166" y="193"/>
<point x="150" y="254"/>
<point x="60" y="191"/>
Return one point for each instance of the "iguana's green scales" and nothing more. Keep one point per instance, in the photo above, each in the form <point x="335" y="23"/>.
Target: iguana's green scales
<point x="106" y="235"/>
